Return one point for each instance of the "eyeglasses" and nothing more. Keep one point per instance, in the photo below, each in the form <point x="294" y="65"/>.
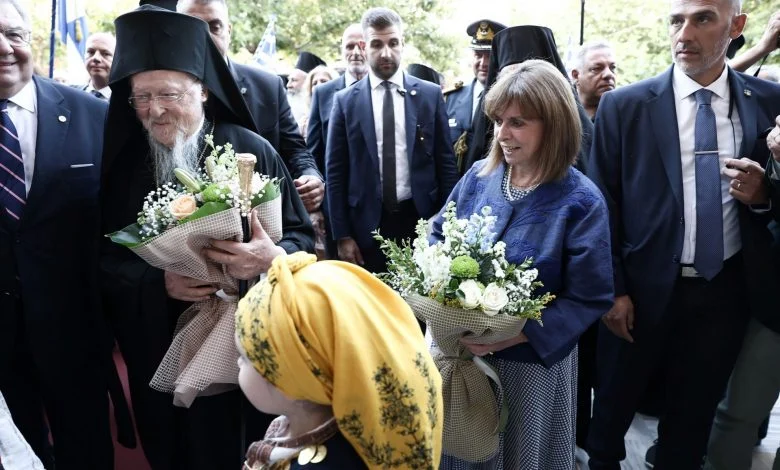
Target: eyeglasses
<point x="17" y="37"/>
<point x="166" y="100"/>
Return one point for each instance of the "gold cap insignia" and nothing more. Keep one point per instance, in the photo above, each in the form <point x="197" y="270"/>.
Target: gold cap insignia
<point x="484" y="32"/>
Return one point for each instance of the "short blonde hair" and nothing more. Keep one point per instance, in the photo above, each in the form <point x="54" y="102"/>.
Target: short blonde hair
<point x="308" y="83"/>
<point x="543" y="93"/>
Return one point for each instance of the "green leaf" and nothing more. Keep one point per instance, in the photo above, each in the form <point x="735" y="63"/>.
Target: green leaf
<point x="271" y="192"/>
<point x="129" y="236"/>
<point x="205" y="210"/>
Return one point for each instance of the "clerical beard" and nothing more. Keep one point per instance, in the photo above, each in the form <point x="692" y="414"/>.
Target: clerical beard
<point x="184" y="154"/>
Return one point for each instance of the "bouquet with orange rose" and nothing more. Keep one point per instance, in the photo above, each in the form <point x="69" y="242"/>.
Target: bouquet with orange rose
<point x="178" y="220"/>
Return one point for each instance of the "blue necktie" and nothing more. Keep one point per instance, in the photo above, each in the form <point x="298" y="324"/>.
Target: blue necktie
<point x="708" y="260"/>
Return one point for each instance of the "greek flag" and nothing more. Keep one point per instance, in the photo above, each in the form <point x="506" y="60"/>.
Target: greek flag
<point x="266" y="50"/>
<point x="72" y="25"/>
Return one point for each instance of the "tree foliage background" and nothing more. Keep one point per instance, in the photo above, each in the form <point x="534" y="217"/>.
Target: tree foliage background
<point x="434" y="29"/>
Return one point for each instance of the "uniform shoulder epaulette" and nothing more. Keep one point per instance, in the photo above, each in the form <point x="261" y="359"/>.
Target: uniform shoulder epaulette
<point x="455" y="87"/>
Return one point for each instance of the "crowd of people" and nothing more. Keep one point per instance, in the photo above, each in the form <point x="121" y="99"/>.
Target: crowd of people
<point x="651" y="211"/>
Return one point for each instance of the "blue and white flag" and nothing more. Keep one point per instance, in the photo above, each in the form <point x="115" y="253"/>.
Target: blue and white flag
<point x="72" y="25"/>
<point x="266" y="50"/>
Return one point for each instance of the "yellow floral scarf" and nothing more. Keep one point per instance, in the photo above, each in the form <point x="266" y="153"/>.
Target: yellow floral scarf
<point x="332" y="333"/>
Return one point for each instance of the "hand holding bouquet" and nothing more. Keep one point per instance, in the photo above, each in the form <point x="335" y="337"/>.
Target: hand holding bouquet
<point x="463" y="287"/>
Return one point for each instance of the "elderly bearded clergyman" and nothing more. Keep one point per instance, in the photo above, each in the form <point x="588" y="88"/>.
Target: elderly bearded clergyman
<point x="170" y="88"/>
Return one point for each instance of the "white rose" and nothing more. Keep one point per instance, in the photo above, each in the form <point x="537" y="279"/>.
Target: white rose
<point x="472" y="294"/>
<point x="494" y="299"/>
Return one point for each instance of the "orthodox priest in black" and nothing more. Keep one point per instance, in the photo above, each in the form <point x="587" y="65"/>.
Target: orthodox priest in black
<point x="171" y="87"/>
<point x="512" y="46"/>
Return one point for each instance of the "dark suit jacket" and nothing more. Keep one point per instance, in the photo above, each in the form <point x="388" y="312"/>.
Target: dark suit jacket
<point x="353" y="185"/>
<point x="54" y="250"/>
<point x="321" y="105"/>
<point x="459" y="111"/>
<point x="635" y="159"/>
<point x="267" y="101"/>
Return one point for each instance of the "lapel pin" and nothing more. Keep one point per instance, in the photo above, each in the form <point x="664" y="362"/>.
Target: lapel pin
<point x="62" y="119"/>
<point x="748" y="93"/>
<point x="413" y="92"/>
<point x="243" y="91"/>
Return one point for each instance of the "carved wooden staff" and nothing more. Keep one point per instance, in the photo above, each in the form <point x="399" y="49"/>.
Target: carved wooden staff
<point x="246" y="168"/>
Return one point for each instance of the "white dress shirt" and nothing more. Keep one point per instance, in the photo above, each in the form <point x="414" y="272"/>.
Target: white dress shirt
<point x="105" y="91"/>
<point x="403" y="185"/>
<point x="22" y="109"/>
<point x="729" y="141"/>
<point x="476" y="92"/>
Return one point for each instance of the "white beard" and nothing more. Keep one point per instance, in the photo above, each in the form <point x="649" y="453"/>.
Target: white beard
<point x="184" y="154"/>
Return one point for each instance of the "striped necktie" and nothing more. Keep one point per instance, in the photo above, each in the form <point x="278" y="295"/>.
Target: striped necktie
<point x="12" y="190"/>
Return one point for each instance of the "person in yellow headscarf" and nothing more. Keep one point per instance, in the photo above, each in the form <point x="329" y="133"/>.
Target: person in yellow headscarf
<point x="339" y="355"/>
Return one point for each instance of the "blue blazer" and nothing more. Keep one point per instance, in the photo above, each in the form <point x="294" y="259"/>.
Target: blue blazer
<point x="321" y="105"/>
<point x="352" y="160"/>
<point x="267" y="101"/>
<point x="459" y="111"/>
<point x="563" y="226"/>
<point x="54" y="250"/>
<point x="635" y="160"/>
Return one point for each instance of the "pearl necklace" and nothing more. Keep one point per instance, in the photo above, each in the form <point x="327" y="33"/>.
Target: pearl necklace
<point x="513" y="193"/>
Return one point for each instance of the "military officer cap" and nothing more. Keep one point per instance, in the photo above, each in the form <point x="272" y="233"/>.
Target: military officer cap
<point x="482" y="33"/>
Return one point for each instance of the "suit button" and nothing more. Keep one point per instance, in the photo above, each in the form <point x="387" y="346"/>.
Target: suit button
<point x="675" y="259"/>
<point x="682" y="220"/>
<point x="7" y="293"/>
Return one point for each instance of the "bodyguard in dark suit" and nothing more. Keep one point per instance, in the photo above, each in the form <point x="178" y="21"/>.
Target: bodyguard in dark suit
<point x="267" y="101"/>
<point x="353" y="51"/>
<point x="50" y="329"/>
<point x="680" y="163"/>
<point x="463" y="100"/>
<point x="389" y="157"/>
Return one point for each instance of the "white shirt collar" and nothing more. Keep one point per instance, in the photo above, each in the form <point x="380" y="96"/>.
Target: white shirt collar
<point x="105" y="91"/>
<point x="349" y="79"/>
<point x="478" y="87"/>
<point x="685" y="86"/>
<point x="397" y="79"/>
<point x="25" y="99"/>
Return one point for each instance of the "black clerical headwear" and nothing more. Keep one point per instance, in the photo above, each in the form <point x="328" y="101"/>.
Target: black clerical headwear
<point x="307" y="61"/>
<point x="520" y="43"/>
<point x="423" y="72"/>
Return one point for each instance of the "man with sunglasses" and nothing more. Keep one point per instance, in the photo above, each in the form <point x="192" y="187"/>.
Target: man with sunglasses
<point x="51" y="139"/>
<point x="162" y="106"/>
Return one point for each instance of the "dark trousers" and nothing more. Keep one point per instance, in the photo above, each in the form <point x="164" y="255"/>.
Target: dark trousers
<point x="397" y="225"/>
<point x="695" y="344"/>
<point x="586" y="381"/>
<point x="64" y="394"/>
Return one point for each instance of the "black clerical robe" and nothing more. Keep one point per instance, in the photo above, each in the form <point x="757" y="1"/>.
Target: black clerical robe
<point x="143" y="317"/>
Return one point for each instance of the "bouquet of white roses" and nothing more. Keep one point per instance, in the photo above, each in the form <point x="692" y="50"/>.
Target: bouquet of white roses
<point x="461" y="287"/>
<point x="175" y="223"/>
